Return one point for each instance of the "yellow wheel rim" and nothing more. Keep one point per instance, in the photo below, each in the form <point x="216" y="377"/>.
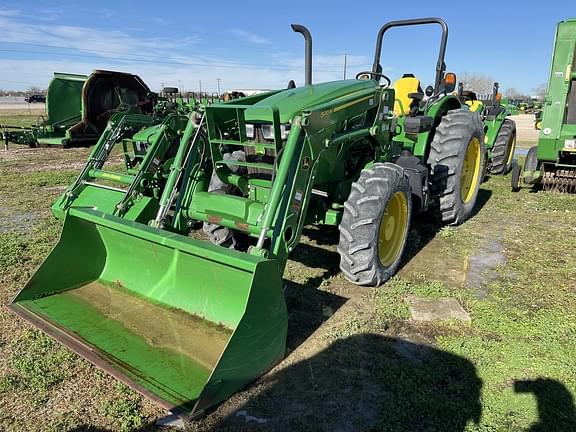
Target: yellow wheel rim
<point x="470" y="175"/>
<point x="511" y="148"/>
<point x="393" y="229"/>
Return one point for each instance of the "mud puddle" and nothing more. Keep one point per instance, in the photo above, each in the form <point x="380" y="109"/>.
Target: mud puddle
<point x="473" y="271"/>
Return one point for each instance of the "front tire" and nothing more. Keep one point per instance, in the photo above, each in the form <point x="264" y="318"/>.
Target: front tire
<point x="530" y="165"/>
<point x="503" y="150"/>
<point x="457" y="162"/>
<point x="375" y="224"/>
<point x="531" y="162"/>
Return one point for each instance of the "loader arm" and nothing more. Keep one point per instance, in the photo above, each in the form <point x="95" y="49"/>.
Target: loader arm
<point x="118" y="191"/>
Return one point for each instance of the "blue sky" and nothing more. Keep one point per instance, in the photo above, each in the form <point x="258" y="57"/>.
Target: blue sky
<point x="250" y="44"/>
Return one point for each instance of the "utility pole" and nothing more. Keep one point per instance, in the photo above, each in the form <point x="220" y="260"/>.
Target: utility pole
<point x="200" y="82"/>
<point x="180" y="87"/>
<point x="162" y="87"/>
<point x="218" y="79"/>
<point x="345" y="59"/>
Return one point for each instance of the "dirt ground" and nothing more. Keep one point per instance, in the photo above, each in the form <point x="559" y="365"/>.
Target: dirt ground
<point x="527" y="133"/>
<point x="355" y="360"/>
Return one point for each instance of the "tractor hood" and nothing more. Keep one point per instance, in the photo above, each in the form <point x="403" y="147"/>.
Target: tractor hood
<point x="292" y="101"/>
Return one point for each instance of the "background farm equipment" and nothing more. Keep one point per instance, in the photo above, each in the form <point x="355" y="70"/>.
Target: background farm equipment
<point x="63" y="110"/>
<point x="512" y="108"/>
<point x="552" y="163"/>
<point x="78" y="108"/>
<point x="500" y="131"/>
<point x="538" y="119"/>
<point x="187" y="322"/>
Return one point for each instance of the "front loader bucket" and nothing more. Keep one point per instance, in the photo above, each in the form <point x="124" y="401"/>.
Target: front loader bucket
<point x="183" y="322"/>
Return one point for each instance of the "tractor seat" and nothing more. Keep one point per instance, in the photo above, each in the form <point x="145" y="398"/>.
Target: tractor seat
<point x="469" y="95"/>
<point x="407" y="89"/>
<point x="475" y="105"/>
<point x="470" y="99"/>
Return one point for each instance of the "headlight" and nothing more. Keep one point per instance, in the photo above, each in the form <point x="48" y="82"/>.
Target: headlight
<point x="250" y="131"/>
<point x="268" y="131"/>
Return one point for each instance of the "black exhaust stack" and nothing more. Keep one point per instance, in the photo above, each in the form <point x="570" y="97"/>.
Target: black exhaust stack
<point x="495" y="89"/>
<point x="308" y="56"/>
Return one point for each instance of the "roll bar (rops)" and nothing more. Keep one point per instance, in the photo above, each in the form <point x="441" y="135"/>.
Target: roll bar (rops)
<point x="440" y="65"/>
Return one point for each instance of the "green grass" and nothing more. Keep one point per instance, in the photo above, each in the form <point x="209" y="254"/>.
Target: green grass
<point x="525" y="329"/>
<point x="125" y="411"/>
<point x="35" y="371"/>
<point x="22" y="118"/>
<point x="39" y="362"/>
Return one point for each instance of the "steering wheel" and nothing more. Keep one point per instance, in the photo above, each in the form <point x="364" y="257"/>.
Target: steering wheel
<point x="374" y="75"/>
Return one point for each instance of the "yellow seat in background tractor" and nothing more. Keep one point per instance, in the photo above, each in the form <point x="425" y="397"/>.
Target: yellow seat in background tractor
<point x="475" y="105"/>
<point x="403" y="88"/>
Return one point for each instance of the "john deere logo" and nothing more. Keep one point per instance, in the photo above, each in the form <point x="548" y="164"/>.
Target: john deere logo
<point x="305" y="162"/>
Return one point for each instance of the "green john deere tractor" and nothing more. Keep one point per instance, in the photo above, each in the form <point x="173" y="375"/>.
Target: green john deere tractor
<point x="512" y="108"/>
<point x="168" y="273"/>
<point x="499" y="131"/>
<point x="552" y="163"/>
<point x="538" y="119"/>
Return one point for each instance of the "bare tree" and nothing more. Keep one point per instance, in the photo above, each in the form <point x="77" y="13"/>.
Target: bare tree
<point x="4" y="92"/>
<point x="513" y="93"/>
<point x="35" y="90"/>
<point x="479" y="83"/>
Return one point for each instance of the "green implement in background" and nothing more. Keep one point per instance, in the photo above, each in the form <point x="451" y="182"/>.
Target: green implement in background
<point x="64" y="99"/>
<point x="63" y="110"/>
<point x="552" y="163"/>
<point x="78" y="108"/>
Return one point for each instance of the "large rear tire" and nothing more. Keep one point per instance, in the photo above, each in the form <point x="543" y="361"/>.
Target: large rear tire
<point x="503" y="150"/>
<point x="457" y="162"/>
<point x="374" y="225"/>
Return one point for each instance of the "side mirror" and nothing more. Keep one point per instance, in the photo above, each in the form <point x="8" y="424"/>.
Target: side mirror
<point x="429" y="91"/>
<point x="449" y="82"/>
